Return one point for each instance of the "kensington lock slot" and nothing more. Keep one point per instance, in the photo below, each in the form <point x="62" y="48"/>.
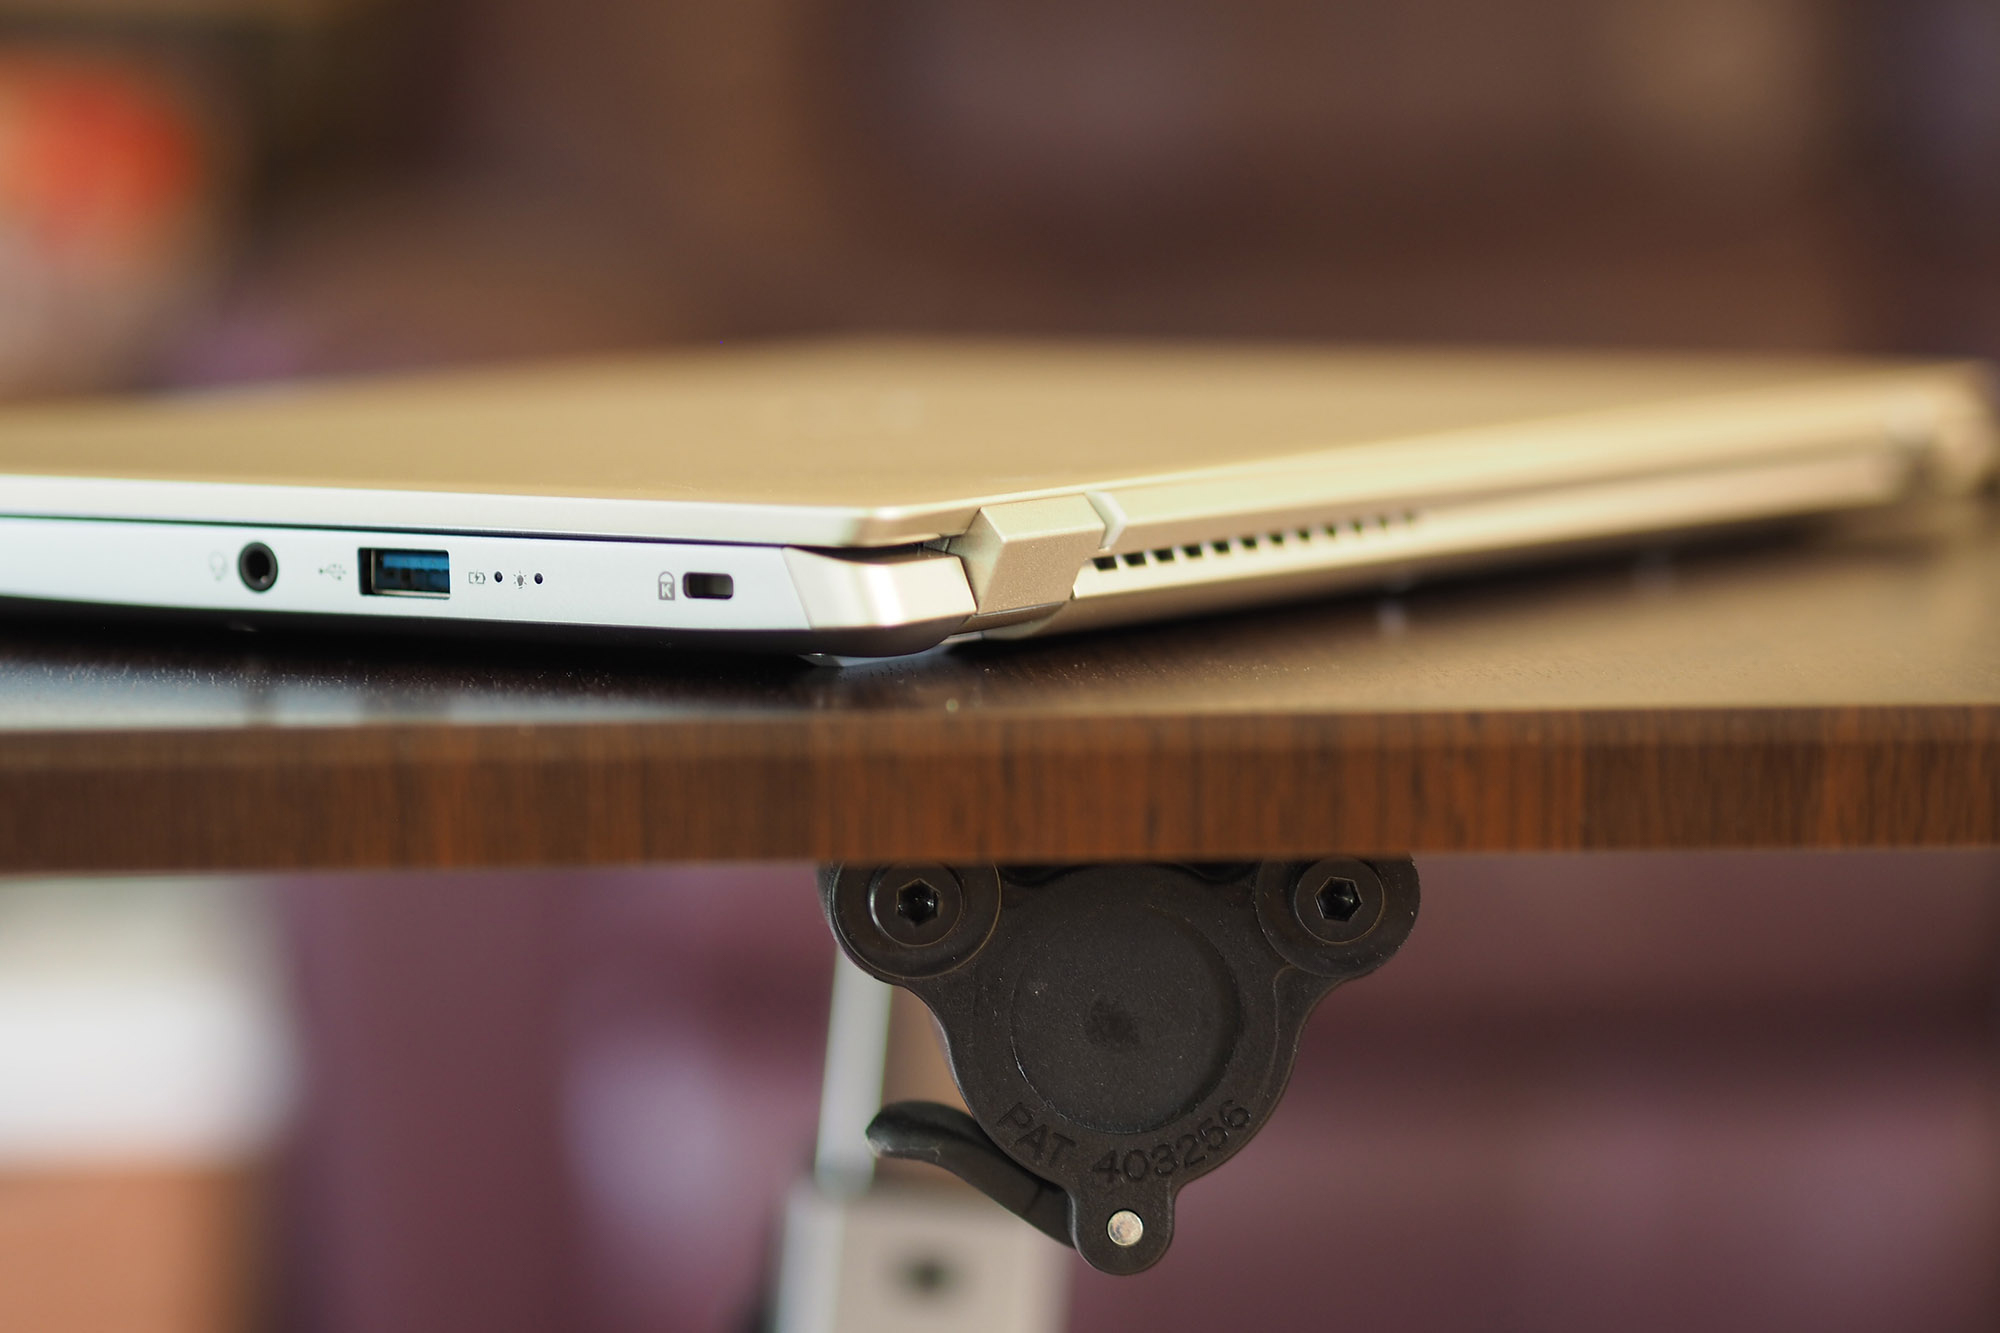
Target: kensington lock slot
<point x="714" y="587"/>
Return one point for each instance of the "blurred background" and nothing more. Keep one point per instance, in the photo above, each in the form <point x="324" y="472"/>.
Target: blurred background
<point x="533" y="1102"/>
<point x="1717" y="1091"/>
<point x="212" y="190"/>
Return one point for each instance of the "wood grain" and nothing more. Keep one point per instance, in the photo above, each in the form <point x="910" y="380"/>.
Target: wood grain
<point x="1833" y="689"/>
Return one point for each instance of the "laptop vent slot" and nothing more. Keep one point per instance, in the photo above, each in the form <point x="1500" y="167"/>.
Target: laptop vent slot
<point x="1335" y="534"/>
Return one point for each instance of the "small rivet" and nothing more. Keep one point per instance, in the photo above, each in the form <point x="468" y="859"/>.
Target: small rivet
<point x="929" y="1275"/>
<point x="1125" y="1228"/>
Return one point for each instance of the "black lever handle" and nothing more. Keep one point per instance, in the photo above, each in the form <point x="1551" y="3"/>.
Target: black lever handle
<point x="946" y="1136"/>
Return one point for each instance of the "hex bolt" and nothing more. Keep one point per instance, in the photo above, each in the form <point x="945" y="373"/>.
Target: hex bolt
<point x="917" y="902"/>
<point x="1338" y="900"/>
<point x="916" y="905"/>
<point x="1126" y="1228"/>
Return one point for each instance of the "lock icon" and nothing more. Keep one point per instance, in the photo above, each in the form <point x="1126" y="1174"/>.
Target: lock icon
<point x="666" y="587"/>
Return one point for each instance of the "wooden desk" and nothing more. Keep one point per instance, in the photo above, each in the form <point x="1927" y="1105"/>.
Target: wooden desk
<point x="1837" y="688"/>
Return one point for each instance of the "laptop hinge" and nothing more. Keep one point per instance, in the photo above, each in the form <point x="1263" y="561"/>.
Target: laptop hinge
<point x="1026" y="554"/>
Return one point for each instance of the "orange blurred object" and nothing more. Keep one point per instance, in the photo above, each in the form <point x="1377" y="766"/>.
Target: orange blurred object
<point x="93" y="156"/>
<point x="107" y="206"/>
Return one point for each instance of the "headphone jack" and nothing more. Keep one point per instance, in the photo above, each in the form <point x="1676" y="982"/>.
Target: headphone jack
<point x="257" y="566"/>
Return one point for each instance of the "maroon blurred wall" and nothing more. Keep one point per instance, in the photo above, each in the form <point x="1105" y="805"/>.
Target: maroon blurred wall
<point x="541" y="177"/>
<point x="1727" y="1091"/>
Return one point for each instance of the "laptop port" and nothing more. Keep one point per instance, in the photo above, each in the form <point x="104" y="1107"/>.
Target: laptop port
<point x="387" y="573"/>
<point x="715" y="587"/>
<point x="257" y="566"/>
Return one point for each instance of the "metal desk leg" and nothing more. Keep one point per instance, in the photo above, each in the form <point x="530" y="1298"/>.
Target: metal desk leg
<point x="865" y="1253"/>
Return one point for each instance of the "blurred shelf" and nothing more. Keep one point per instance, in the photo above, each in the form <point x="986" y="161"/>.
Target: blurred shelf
<point x="273" y="13"/>
<point x="1837" y="687"/>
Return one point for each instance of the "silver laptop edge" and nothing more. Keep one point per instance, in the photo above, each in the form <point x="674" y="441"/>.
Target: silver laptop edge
<point x="858" y="580"/>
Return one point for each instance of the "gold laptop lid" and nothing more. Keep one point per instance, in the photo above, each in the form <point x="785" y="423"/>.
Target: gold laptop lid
<point x="901" y="442"/>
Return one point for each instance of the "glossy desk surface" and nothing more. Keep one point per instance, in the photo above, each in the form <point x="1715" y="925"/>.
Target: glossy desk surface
<point x="1838" y="686"/>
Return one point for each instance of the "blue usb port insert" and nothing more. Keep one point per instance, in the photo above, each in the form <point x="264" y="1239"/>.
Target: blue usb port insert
<point x="405" y="573"/>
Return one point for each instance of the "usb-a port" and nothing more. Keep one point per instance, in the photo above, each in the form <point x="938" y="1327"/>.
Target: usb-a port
<point x="405" y="573"/>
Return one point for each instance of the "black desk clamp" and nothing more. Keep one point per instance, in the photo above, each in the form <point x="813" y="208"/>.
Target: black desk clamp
<point x="1116" y="1030"/>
